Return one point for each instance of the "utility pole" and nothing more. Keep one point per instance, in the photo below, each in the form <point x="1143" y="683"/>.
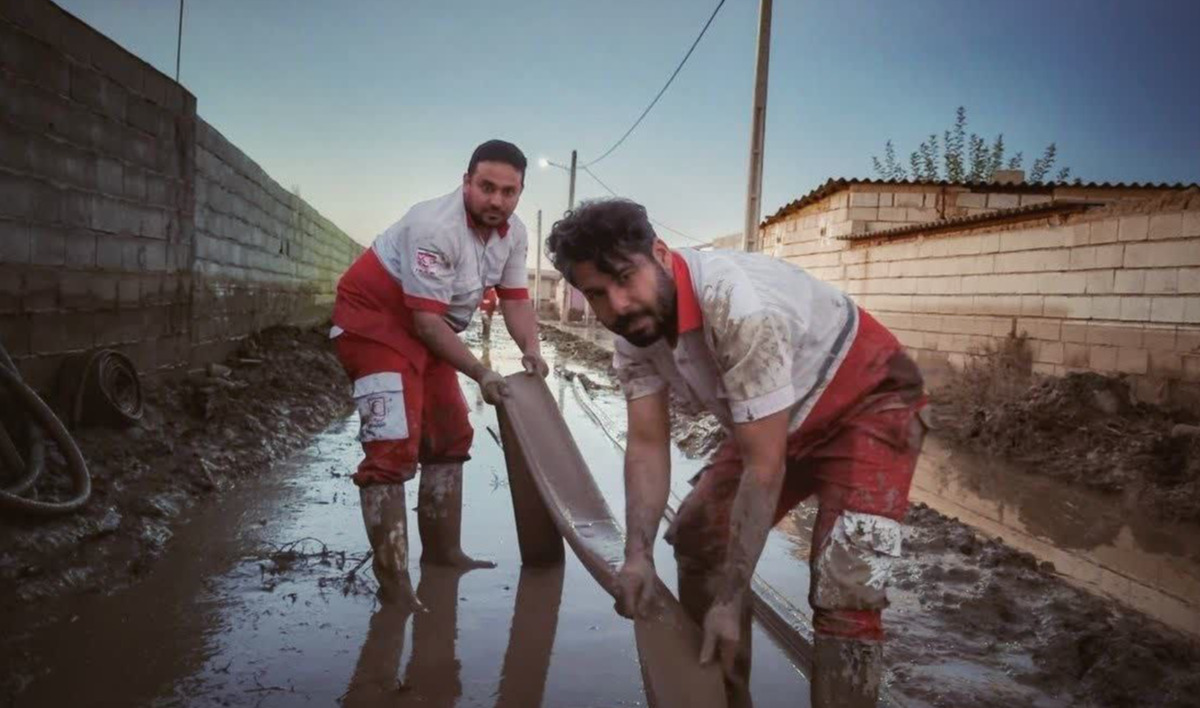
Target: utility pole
<point x="179" y="41"/>
<point x="568" y="291"/>
<point x="571" y="196"/>
<point x="758" y="125"/>
<point x="537" y="269"/>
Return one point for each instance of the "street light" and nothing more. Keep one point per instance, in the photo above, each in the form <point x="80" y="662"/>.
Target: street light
<point x="546" y="162"/>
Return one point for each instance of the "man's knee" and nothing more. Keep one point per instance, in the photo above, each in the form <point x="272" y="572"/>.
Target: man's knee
<point x="851" y="569"/>
<point x="699" y="539"/>
<point x="385" y="430"/>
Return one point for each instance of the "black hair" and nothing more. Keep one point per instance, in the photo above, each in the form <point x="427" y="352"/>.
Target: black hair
<point x="498" y="151"/>
<point x="604" y="232"/>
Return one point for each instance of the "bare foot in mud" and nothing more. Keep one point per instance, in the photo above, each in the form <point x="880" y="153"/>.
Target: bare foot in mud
<point x="456" y="559"/>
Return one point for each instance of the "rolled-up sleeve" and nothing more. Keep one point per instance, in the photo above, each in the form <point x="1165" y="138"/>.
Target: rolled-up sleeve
<point x="425" y="262"/>
<point x="636" y="371"/>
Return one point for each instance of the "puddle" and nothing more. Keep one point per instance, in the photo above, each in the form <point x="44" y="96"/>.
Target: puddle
<point x="1093" y="540"/>
<point x="221" y="621"/>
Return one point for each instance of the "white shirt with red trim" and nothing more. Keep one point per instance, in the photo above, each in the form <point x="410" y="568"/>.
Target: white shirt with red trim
<point x="757" y="335"/>
<point x="444" y="264"/>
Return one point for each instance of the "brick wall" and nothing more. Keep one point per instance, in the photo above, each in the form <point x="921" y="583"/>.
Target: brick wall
<point x="1114" y="289"/>
<point x="107" y="213"/>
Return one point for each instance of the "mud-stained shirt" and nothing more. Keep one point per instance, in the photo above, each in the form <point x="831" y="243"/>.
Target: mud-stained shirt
<point x="444" y="265"/>
<point x="757" y="336"/>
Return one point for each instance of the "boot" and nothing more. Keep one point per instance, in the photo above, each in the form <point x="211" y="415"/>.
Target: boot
<point x="846" y="672"/>
<point x="386" y="521"/>
<point x="439" y="517"/>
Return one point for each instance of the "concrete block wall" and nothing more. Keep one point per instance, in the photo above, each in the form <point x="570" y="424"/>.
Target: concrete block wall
<point x="100" y="158"/>
<point x="95" y="230"/>
<point x="1114" y="290"/>
<point x="263" y="255"/>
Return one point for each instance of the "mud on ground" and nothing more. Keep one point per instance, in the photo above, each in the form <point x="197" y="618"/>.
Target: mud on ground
<point x="1083" y="428"/>
<point x="976" y="622"/>
<point x="198" y="436"/>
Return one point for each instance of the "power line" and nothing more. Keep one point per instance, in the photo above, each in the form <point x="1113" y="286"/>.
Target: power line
<point x="653" y="221"/>
<point x="637" y="122"/>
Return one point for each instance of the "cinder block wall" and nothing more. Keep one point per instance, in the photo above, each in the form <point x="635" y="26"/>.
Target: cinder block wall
<point x="263" y="255"/>
<point x="100" y="158"/>
<point x="1114" y="290"/>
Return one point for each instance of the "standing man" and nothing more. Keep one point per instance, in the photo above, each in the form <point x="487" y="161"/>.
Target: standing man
<point x="817" y="398"/>
<point x="487" y="308"/>
<point x="397" y="316"/>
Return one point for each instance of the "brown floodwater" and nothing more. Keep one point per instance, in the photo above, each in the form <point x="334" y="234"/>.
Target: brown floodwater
<point x="1100" y="542"/>
<point x="222" y="619"/>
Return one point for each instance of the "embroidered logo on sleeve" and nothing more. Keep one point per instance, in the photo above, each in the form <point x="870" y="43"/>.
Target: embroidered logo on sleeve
<point x="429" y="262"/>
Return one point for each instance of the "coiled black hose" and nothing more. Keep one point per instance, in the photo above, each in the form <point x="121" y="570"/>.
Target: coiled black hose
<point x="40" y="417"/>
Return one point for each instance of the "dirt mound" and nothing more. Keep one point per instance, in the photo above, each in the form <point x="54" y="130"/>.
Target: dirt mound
<point x="1084" y="428"/>
<point x="198" y="434"/>
<point x="570" y="346"/>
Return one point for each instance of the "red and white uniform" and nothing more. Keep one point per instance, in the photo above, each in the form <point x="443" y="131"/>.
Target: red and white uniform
<point x="758" y="336"/>
<point x="435" y="260"/>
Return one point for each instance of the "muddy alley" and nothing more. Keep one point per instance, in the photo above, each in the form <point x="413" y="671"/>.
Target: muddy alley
<point x="261" y="598"/>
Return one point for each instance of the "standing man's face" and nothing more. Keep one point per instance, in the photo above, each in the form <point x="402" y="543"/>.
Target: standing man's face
<point x="491" y="193"/>
<point x="637" y="300"/>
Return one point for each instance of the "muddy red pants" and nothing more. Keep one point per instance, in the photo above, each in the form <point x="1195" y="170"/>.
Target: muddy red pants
<point x="410" y="412"/>
<point x="856" y="452"/>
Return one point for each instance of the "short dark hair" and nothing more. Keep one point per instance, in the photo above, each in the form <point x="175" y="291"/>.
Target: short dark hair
<point x="498" y="151"/>
<point x="605" y="232"/>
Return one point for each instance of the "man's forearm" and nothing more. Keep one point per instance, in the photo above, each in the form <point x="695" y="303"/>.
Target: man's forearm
<point x="647" y="483"/>
<point x="522" y="325"/>
<point x="445" y="345"/>
<point x="750" y="521"/>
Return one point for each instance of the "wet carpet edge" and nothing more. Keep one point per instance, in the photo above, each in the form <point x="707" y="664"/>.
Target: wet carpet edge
<point x="668" y="644"/>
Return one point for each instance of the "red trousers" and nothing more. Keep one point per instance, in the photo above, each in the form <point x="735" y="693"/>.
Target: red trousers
<point x="856" y="452"/>
<point x="410" y="412"/>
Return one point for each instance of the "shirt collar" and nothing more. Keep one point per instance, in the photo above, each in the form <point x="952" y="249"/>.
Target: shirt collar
<point x="687" y="309"/>
<point x="502" y="229"/>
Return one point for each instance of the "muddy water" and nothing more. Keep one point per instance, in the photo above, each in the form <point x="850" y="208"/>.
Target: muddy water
<point x="222" y="619"/>
<point x="1093" y="540"/>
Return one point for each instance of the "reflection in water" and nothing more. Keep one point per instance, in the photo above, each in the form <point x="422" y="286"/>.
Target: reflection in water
<point x="432" y="675"/>
<point x="1098" y="541"/>
<point x="531" y="637"/>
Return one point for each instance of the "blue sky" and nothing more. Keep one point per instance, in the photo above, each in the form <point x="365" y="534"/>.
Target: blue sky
<point x="371" y="106"/>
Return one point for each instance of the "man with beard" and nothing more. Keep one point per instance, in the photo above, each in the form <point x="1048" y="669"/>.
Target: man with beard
<point x="816" y="397"/>
<point x="397" y="316"/>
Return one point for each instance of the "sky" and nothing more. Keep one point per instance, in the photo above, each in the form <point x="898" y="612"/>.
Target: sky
<point x="370" y="106"/>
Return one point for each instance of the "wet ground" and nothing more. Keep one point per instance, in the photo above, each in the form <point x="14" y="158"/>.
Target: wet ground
<point x="1097" y="541"/>
<point x="256" y="601"/>
<point x="1016" y="588"/>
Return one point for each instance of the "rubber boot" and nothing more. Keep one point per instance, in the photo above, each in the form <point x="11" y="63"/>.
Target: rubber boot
<point x="439" y="517"/>
<point x="386" y="519"/>
<point x="846" y="672"/>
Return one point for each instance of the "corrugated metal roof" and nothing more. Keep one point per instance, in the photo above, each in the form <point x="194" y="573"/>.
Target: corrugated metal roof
<point x="960" y="222"/>
<point x="837" y="184"/>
